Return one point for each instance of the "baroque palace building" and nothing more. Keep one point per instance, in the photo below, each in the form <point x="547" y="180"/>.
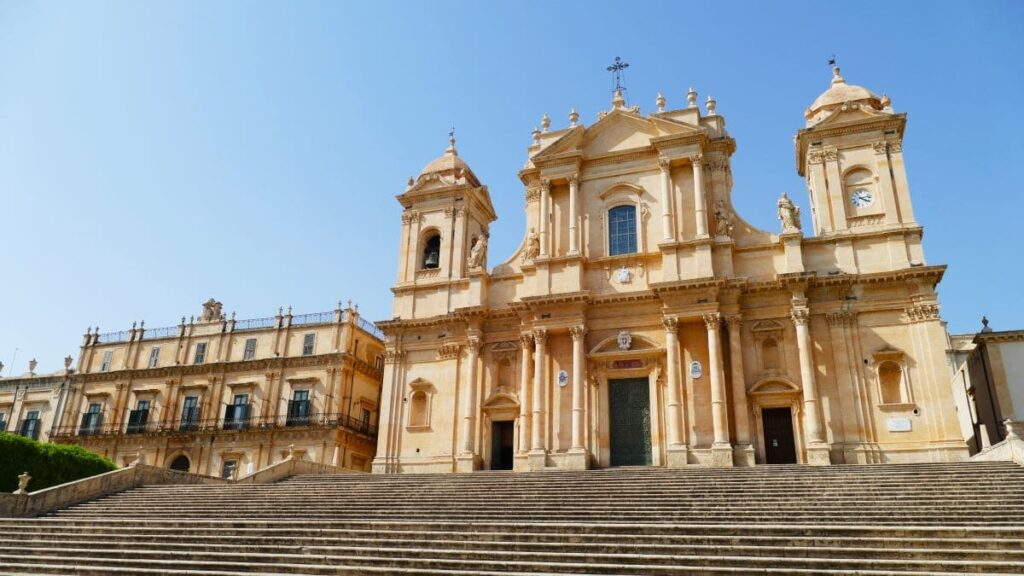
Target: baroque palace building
<point x="642" y="321"/>
<point x="221" y="396"/>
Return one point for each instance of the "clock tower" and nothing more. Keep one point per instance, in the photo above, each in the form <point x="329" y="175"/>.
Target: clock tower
<point x="851" y="154"/>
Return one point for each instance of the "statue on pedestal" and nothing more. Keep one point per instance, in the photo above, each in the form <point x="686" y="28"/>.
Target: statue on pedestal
<point x="532" y="247"/>
<point x="478" y="254"/>
<point x="789" y="214"/>
<point x="723" y="221"/>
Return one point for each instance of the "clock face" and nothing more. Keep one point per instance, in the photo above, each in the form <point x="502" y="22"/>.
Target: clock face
<point x="861" y="198"/>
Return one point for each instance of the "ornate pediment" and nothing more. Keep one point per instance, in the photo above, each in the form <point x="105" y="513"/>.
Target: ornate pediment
<point x="625" y="343"/>
<point x="617" y="131"/>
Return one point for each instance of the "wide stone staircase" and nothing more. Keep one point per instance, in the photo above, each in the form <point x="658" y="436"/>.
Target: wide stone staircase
<point x="963" y="518"/>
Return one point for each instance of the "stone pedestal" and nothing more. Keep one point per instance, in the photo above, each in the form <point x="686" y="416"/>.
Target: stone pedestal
<point x="721" y="456"/>
<point x="467" y="463"/>
<point x="818" y="455"/>
<point x="743" y="455"/>
<point x="577" y="459"/>
<point x="520" y="463"/>
<point x="537" y="460"/>
<point x="677" y="456"/>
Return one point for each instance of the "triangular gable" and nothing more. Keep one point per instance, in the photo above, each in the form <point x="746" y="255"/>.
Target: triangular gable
<point x="858" y="114"/>
<point x="616" y="131"/>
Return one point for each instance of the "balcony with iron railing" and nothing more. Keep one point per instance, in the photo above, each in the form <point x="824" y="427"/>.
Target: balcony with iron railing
<point x="137" y="420"/>
<point x="92" y="423"/>
<point x="189" y="419"/>
<point x="240" y="421"/>
<point x="298" y="413"/>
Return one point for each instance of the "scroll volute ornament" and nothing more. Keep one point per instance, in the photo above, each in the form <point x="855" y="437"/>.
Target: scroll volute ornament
<point x="712" y="320"/>
<point x="671" y="324"/>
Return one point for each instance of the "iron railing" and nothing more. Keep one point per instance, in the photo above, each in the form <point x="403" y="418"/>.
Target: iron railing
<point x="189" y="419"/>
<point x="314" y="318"/>
<point x="298" y="413"/>
<point x="165" y="332"/>
<point x="111" y="337"/>
<point x="213" y="425"/>
<point x="371" y="328"/>
<point x="91" y="423"/>
<point x="237" y="416"/>
<point x="256" y="323"/>
<point x="137" y="420"/>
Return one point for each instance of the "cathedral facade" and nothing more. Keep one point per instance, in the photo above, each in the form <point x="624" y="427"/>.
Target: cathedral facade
<point x="642" y="321"/>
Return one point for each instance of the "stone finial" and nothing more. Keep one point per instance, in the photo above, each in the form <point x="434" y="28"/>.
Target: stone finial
<point x="23" y="479"/>
<point x="67" y="362"/>
<point x="1" y="369"/>
<point x="32" y="366"/>
<point x="710" y="104"/>
<point x="886" y="101"/>
<point x="984" y="324"/>
<point x="350" y="304"/>
<point x="291" y="452"/>
<point x="410" y="182"/>
<point x="545" y="122"/>
<point x="232" y="315"/>
<point x="289" y="309"/>
<point x="138" y="457"/>
<point x="691" y="98"/>
<point x="574" y="118"/>
<point x="618" y="101"/>
<point x="536" y="136"/>
<point x="660" y="102"/>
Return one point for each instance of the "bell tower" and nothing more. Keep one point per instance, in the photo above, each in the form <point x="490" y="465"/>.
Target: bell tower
<point x="447" y="212"/>
<point x="851" y="154"/>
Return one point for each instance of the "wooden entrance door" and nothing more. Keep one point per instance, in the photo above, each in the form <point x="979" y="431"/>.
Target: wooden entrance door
<point x="779" y="446"/>
<point x="629" y="422"/>
<point x="502" y="445"/>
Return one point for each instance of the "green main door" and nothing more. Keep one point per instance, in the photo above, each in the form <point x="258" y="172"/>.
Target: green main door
<point x="629" y="422"/>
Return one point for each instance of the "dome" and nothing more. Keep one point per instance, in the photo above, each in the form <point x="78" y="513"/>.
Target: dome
<point x="447" y="164"/>
<point x="838" y="94"/>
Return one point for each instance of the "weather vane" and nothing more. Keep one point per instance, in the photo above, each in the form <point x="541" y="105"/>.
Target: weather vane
<point x="832" y="61"/>
<point x="618" y="70"/>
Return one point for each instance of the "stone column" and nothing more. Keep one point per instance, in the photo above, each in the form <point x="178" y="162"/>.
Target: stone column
<point x="698" y="195"/>
<point x="578" y="378"/>
<point x="524" y="392"/>
<point x="817" y="450"/>
<point x="885" y="184"/>
<point x="744" y="451"/>
<point x="676" y="450"/>
<point x="721" y="449"/>
<point x="540" y="337"/>
<point x="466" y="461"/>
<point x="545" y="217"/>
<point x="574" y="234"/>
<point x="666" y="198"/>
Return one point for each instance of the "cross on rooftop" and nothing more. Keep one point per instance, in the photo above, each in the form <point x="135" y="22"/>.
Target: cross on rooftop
<point x="618" y="71"/>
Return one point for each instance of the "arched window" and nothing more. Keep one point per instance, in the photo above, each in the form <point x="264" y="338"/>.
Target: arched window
<point x="181" y="463"/>
<point x="890" y="378"/>
<point x="622" y="230"/>
<point x="419" y="409"/>
<point x="432" y="251"/>
<point x="770" y="354"/>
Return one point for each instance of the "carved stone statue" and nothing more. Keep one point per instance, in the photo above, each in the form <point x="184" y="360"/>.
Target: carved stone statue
<point x="532" y="247"/>
<point x="67" y="362"/>
<point x="478" y="254"/>
<point x="23" y="480"/>
<point x="724" y="222"/>
<point x="211" y="311"/>
<point x="789" y="214"/>
<point x="32" y="366"/>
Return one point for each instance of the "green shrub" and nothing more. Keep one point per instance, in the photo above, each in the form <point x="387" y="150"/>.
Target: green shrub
<point x="48" y="464"/>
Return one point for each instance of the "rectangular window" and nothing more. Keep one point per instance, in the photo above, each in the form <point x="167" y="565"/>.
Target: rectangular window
<point x="307" y="344"/>
<point x="154" y="356"/>
<point x="108" y="355"/>
<point x="3" y="422"/>
<point x="200" y="353"/>
<point x="91" y="420"/>
<point x="298" y="408"/>
<point x="190" y="413"/>
<point x="138" y="418"/>
<point x="250" y="349"/>
<point x="236" y="416"/>
<point x="228" y="470"/>
<point x="30" y="425"/>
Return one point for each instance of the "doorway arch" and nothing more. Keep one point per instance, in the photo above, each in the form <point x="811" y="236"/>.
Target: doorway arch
<point x="181" y="463"/>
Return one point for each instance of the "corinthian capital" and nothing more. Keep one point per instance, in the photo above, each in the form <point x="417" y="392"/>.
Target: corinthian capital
<point x="578" y="332"/>
<point x="671" y="324"/>
<point x="574" y="178"/>
<point x="540" y="336"/>
<point x="664" y="163"/>
<point x="545" y="184"/>
<point x="800" y="316"/>
<point x="697" y="159"/>
<point x="526" y="339"/>
<point x="734" y="321"/>
<point x="712" y="320"/>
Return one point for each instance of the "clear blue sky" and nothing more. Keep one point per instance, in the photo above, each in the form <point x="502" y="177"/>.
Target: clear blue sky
<point x="154" y="155"/>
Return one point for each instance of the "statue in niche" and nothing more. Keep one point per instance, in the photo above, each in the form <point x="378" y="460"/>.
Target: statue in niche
<point x="478" y="254"/>
<point x="789" y="214"/>
<point x="532" y="247"/>
<point x="722" y="219"/>
<point x="211" y="311"/>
